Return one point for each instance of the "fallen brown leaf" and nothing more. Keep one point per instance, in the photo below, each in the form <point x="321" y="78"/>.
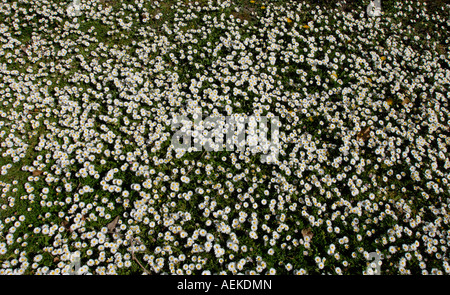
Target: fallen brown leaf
<point x="66" y="225"/>
<point x="441" y="48"/>
<point x="307" y="232"/>
<point x="112" y="225"/>
<point x="37" y="172"/>
<point x="364" y="133"/>
<point x="406" y="101"/>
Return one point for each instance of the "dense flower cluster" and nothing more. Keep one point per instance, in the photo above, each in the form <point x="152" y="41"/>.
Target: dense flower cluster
<point x="88" y="167"/>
